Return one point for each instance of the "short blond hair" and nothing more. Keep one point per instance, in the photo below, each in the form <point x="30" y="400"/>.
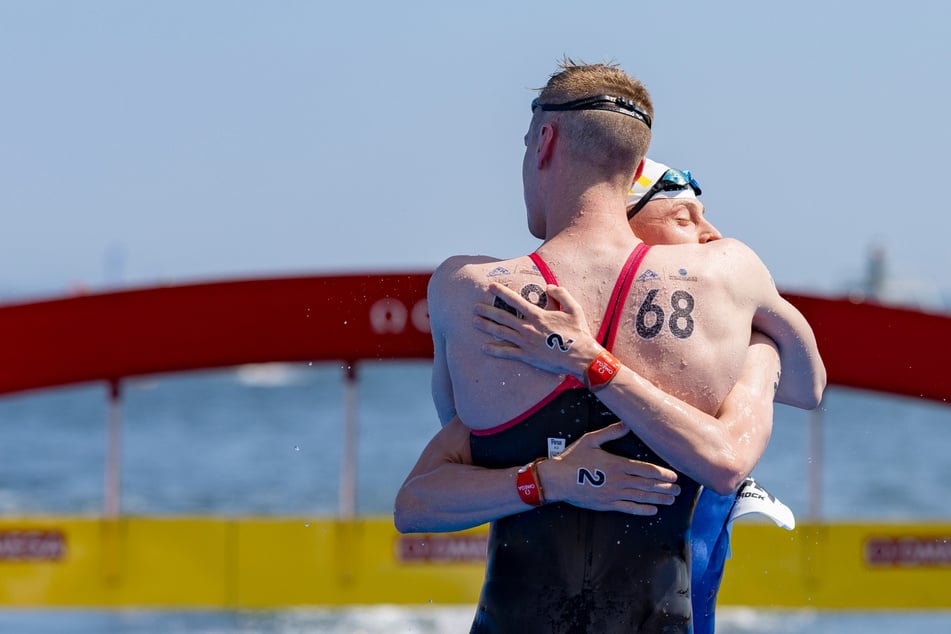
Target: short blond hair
<point x="607" y="141"/>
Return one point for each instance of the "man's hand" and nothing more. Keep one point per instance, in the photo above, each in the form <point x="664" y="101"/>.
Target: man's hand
<point x="558" y="341"/>
<point x="589" y="477"/>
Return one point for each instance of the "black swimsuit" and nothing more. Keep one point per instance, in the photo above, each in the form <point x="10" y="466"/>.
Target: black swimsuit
<point x="561" y="568"/>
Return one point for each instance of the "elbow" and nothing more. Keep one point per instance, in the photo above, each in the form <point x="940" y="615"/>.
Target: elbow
<point x="402" y="522"/>
<point x="808" y="397"/>
<point x="404" y="519"/>
<point x="727" y="483"/>
<point x="818" y="386"/>
<point x="814" y="397"/>
<point x="730" y="474"/>
<point x="407" y="523"/>
<point x="412" y="514"/>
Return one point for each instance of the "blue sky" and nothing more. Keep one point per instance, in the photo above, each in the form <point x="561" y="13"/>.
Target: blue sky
<point x="155" y="142"/>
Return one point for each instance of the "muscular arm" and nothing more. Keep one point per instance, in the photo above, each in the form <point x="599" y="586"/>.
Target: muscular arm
<point x="446" y="492"/>
<point x="717" y="451"/>
<point x="804" y="374"/>
<point x="443" y="397"/>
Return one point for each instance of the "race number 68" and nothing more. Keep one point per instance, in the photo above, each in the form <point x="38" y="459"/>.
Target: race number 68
<point x="651" y="317"/>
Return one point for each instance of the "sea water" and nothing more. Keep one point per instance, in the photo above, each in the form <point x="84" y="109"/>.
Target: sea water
<point x="267" y="440"/>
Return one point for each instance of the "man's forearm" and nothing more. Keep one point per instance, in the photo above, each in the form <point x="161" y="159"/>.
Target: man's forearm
<point x="445" y="492"/>
<point x="691" y="441"/>
<point x="454" y="497"/>
<point x="716" y="451"/>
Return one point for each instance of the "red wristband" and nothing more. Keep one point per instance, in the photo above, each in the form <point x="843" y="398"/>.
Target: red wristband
<point x="604" y="368"/>
<point x="529" y="485"/>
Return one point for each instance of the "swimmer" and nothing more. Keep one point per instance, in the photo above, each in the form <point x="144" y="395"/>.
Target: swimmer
<point x="556" y="559"/>
<point x="663" y="208"/>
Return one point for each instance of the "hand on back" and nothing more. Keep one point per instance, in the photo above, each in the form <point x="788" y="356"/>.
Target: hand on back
<point x="587" y="476"/>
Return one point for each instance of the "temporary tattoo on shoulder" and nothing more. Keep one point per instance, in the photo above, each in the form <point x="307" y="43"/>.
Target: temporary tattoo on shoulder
<point x="648" y="276"/>
<point x="528" y="270"/>
<point x="501" y="303"/>
<point x="683" y="276"/>
<point x="497" y="271"/>
<point x="535" y="294"/>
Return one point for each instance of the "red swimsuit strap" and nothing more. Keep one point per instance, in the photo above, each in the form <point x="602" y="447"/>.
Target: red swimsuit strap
<point x="543" y="268"/>
<point x="569" y="383"/>
<point x="621" y="289"/>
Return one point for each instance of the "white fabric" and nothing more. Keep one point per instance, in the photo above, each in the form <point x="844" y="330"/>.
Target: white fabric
<point x="653" y="171"/>
<point x="752" y="498"/>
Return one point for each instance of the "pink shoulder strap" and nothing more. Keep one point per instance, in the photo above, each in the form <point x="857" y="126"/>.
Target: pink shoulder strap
<point x="622" y="287"/>
<point x="543" y="268"/>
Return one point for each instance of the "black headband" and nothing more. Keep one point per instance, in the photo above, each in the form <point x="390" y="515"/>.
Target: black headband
<point x="602" y="102"/>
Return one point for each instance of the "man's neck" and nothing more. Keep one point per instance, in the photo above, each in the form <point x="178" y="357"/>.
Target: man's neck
<point x="595" y="213"/>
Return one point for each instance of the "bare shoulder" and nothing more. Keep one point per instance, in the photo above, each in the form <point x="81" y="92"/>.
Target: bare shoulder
<point x="732" y="255"/>
<point x="455" y="271"/>
<point x="718" y="259"/>
<point x="459" y="265"/>
<point x="460" y="281"/>
<point x="733" y="249"/>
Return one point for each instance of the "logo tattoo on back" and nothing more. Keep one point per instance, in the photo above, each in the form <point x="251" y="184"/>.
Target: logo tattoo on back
<point x="501" y="303"/>
<point x="535" y="294"/>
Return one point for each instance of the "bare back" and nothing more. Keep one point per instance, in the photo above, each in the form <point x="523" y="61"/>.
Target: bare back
<point x="685" y="324"/>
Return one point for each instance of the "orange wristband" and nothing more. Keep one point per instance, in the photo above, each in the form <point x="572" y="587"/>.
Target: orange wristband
<point x="529" y="485"/>
<point x="601" y="371"/>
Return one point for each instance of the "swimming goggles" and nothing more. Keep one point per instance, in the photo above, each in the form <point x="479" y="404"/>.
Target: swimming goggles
<point x="671" y="180"/>
<point x="602" y="102"/>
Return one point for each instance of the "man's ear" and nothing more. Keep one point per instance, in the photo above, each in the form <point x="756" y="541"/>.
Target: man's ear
<point x="638" y="171"/>
<point x="546" y="144"/>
